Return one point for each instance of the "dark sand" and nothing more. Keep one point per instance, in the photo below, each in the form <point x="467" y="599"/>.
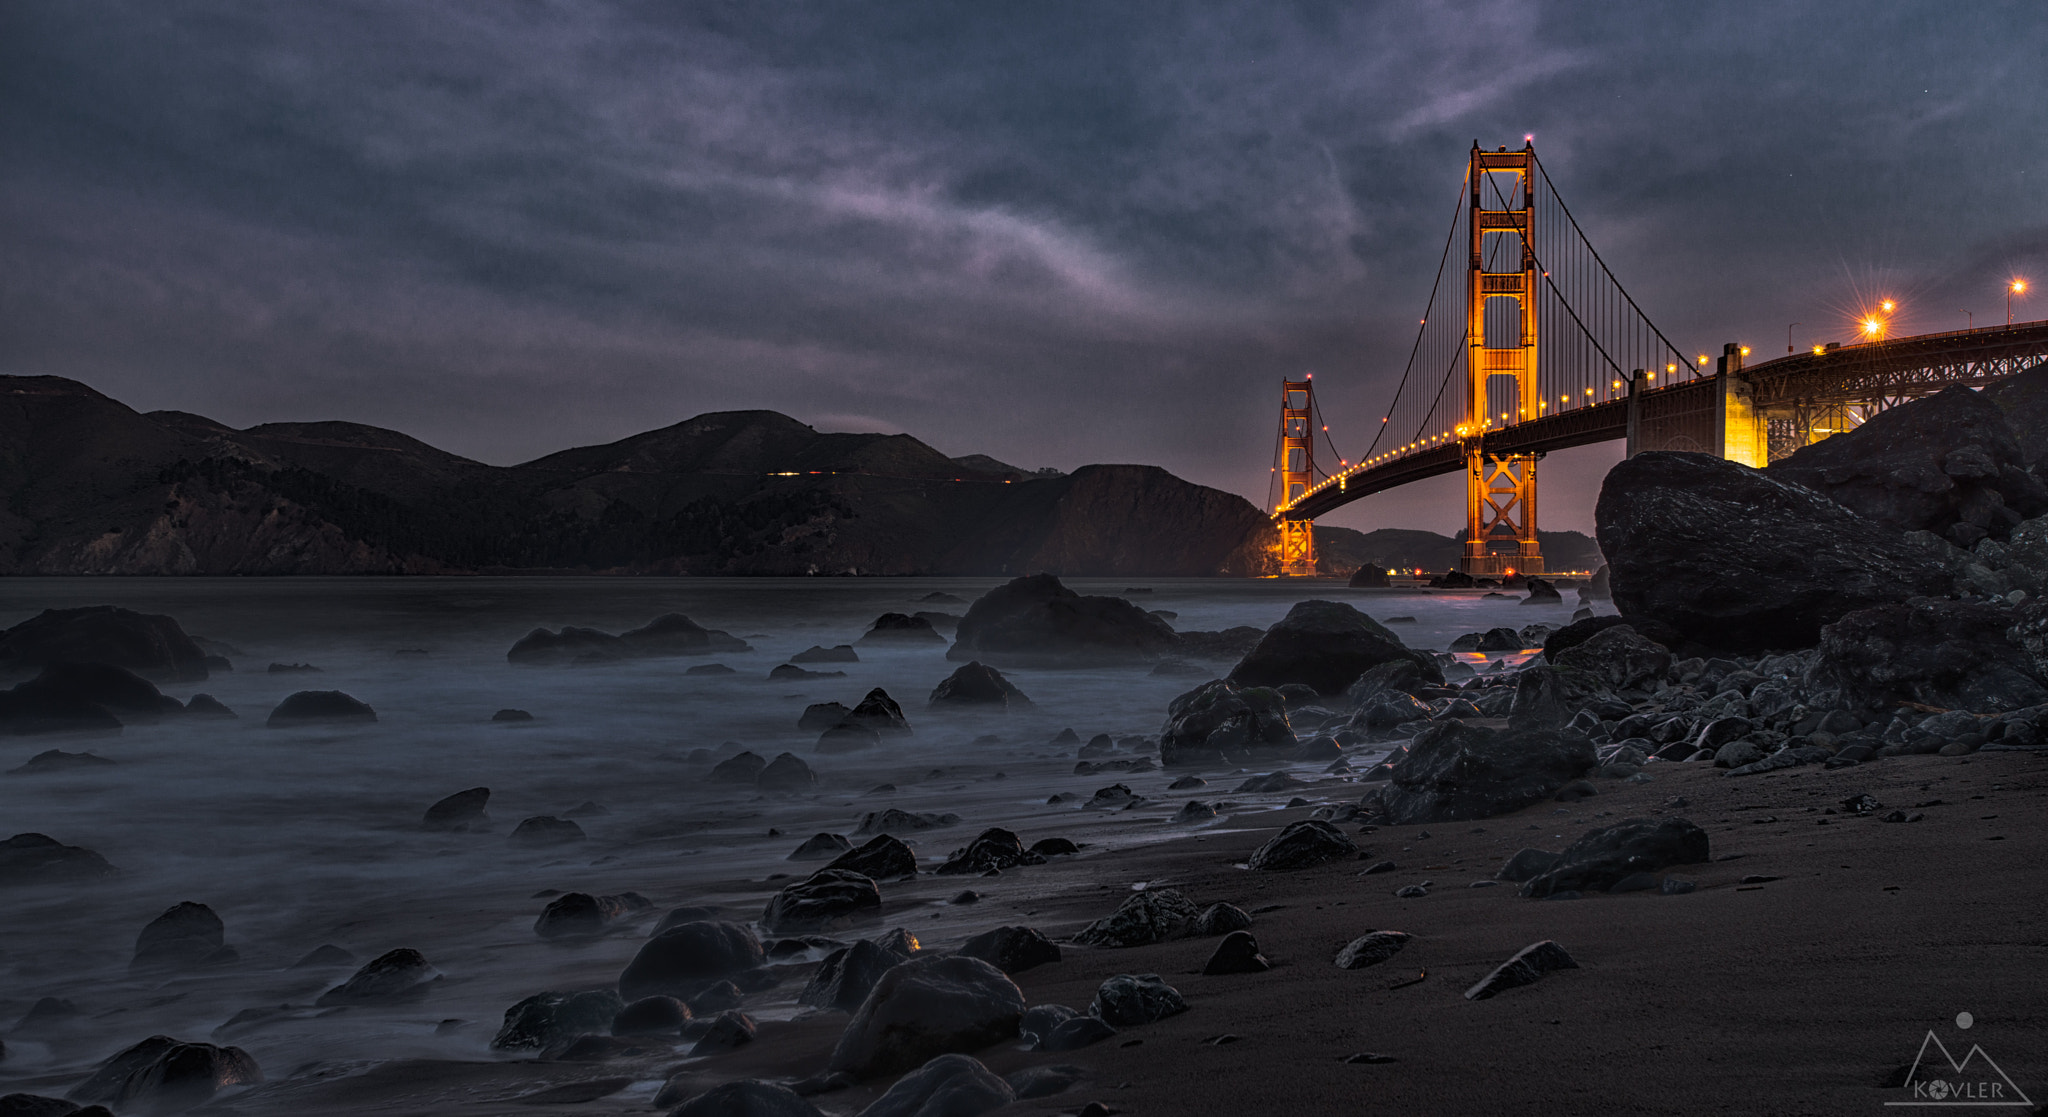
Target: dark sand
<point x="1795" y="997"/>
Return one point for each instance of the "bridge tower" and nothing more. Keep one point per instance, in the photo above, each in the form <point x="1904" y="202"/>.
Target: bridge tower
<point x="1297" y="475"/>
<point x="1500" y="337"/>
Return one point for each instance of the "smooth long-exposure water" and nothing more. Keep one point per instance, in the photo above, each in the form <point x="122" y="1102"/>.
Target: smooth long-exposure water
<point x="302" y="837"/>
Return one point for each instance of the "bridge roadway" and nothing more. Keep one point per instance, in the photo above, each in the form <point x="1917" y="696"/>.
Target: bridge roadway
<point x="1891" y="370"/>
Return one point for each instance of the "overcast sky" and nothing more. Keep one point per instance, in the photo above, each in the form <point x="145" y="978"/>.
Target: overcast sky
<point x="1057" y="234"/>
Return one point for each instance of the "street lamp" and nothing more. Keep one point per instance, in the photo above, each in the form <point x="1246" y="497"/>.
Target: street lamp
<point x="1788" y="337"/>
<point x="2016" y="287"/>
<point x="1970" y="318"/>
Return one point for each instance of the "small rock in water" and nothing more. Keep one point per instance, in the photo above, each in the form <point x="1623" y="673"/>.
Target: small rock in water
<point x="651" y="1016"/>
<point x="1411" y="892"/>
<point x="578" y="914"/>
<point x="542" y="831"/>
<point x="882" y="858"/>
<point x="293" y="669"/>
<point x="324" y="956"/>
<point x="1194" y="810"/>
<point x="1301" y="845"/>
<point x="1371" y="949"/>
<point x="1526" y="968"/>
<point x="1187" y="783"/>
<point x="1127" y="1000"/>
<point x="749" y="1097"/>
<point x="395" y="975"/>
<point x="1222" y="919"/>
<point x="186" y="934"/>
<point x="819" y="846"/>
<point x="546" y="1019"/>
<point x="164" y="1075"/>
<point x="950" y="1085"/>
<point x="1237" y="953"/>
<point x="321" y="707"/>
<point x="787" y="774"/>
<point x="511" y="715"/>
<point x="207" y="706"/>
<point x="743" y="767"/>
<point x="965" y="896"/>
<point x="826" y="899"/>
<point x="729" y="1029"/>
<point x="57" y="760"/>
<point x="710" y="669"/>
<point x="1054" y="847"/>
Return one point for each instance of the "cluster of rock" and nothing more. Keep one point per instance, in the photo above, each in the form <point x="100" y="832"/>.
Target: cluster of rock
<point x="671" y="634"/>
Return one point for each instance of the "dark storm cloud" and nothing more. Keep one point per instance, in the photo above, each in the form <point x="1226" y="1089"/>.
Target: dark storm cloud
<point x="1056" y="234"/>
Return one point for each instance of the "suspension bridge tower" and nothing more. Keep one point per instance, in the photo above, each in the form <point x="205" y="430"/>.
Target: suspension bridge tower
<point x="1501" y="337"/>
<point x="1296" y="469"/>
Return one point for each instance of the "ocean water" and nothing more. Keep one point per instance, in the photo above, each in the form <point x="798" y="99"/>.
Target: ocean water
<point x="304" y="837"/>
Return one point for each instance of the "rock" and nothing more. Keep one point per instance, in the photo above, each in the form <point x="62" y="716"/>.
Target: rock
<point x="1527" y="864"/>
<point x="880" y="713"/>
<point x="826" y="899"/>
<point x="1044" y="1081"/>
<point x="1737" y="754"/>
<point x="575" y="914"/>
<point x="1221" y="919"/>
<point x="1526" y="968"/>
<point x="1187" y="783"/>
<point x="1127" y="1000"/>
<point x="749" y="1097"/>
<point x="1615" y="656"/>
<point x="846" y="976"/>
<point x="1937" y="463"/>
<point x="546" y="1019"/>
<point x="787" y="774"/>
<point x="717" y="997"/>
<point x="186" y="934"/>
<point x="1371" y="949"/>
<point x="1152" y="916"/>
<point x="741" y="767"/>
<point x="1548" y="698"/>
<point x="848" y="736"/>
<point x="209" y="707"/>
<point x="974" y="684"/>
<point x="1453" y="580"/>
<point x="463" y="810"/>
<point x="320" y="707"/>
<point x="149" y="644"/>
<point x="164" y="1075"/>
<point x="1221" y="718"/>
<point x="1326" y="645"/>
<point x="57" y="760"/>
<point x="729" y="1029"/>
<point x="791" y="673"/>
<point x="1301" y="845"/>
<point x="1037" y="621"/>
<point x="1193" y="811"/>
<point x="901" y="628"/>
<point x="1542" y="592"/>
<point x="1739" y="559"/>
<point x="946" y="1086"/>
<point x="892" y="820"/>
<point x="1604" y="856"/>
<point x="1575" y="790"/>
<point x="1455" y="771"/>
<point x="27" y="859"/>
<point x="820" y="716"/>
<point x="1054" y="847"/>
<point x="929" y="1005"/>
<point x="1269" y="783"/>
<point x="542" y="831"/>
<point x="1011" y="949"/>
<point x="994" y="848"/>
<point x="681" y="960"/>
<point x="709" y="669"/>
<point x="396" y="975"/>
<point x="842" y="653"/>
<point x="1237" y="953"/>
<point x="323" y="956"/>
<point x="882" y="858"/>
<point x="673" y="634"/>
<point x="819" y="846"/>
<point x="651" y="1016"/>
<point x="1038" y="1021"/>
<point x="1372" y="575"/>
<point x="35" y="1105"/>
<point x="1114" y="796"/>
<point x="1072" y="1035"/>
<point x="1951" y="654"/>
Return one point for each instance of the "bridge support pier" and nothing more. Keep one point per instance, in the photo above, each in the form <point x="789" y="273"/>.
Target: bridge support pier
<point x="1500" y="493"/>
<point x="1742" y="433"/>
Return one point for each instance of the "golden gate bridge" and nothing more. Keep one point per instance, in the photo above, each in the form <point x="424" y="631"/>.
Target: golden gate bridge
<point x="1532" y="345"/>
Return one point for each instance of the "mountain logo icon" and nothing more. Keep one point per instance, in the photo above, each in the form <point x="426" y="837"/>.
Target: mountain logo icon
<point x="1975" y="1080"/>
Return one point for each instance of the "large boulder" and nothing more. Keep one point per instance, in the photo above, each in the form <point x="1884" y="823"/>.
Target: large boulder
<point x="1741" y="560"/>
<point x="1037" y="621"/>
<point x="1617" y="656"/>
<point x="676" y="634"/>
<point x="2024" y="400"/>
<point x="1011" y="949"/>
<point x="1952" y="654"/>
<point x="580" y="914"/>
<point x="121" y="692"/>
<point x="880" y="713"/>
<point x="826" y="899"/>
<point x="1602" y="857"/>
<point x="1220" y="720"/>
<point x="1454" y="771"/>
<point x="976" y="684"/>
<point x="1372" y="575"/>
<point x="787" y="774"/>
<point x="1946" y="463"/>
<point x="1326" y="645"/>
<point x="148" y="644"/>
<point x="681" y="960"/>
<point x="994" y="848"/>
<point x="164" y="1075"/>
<point x="930" y="1005"/>
<point x="40" y="859"/>
<point x="846" y="976"/>
<point x="1152" y="916"/>
<point x="947" y="1086"/>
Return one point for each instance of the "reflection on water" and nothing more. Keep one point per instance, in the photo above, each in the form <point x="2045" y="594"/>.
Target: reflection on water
<point x="303" y="837"/>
